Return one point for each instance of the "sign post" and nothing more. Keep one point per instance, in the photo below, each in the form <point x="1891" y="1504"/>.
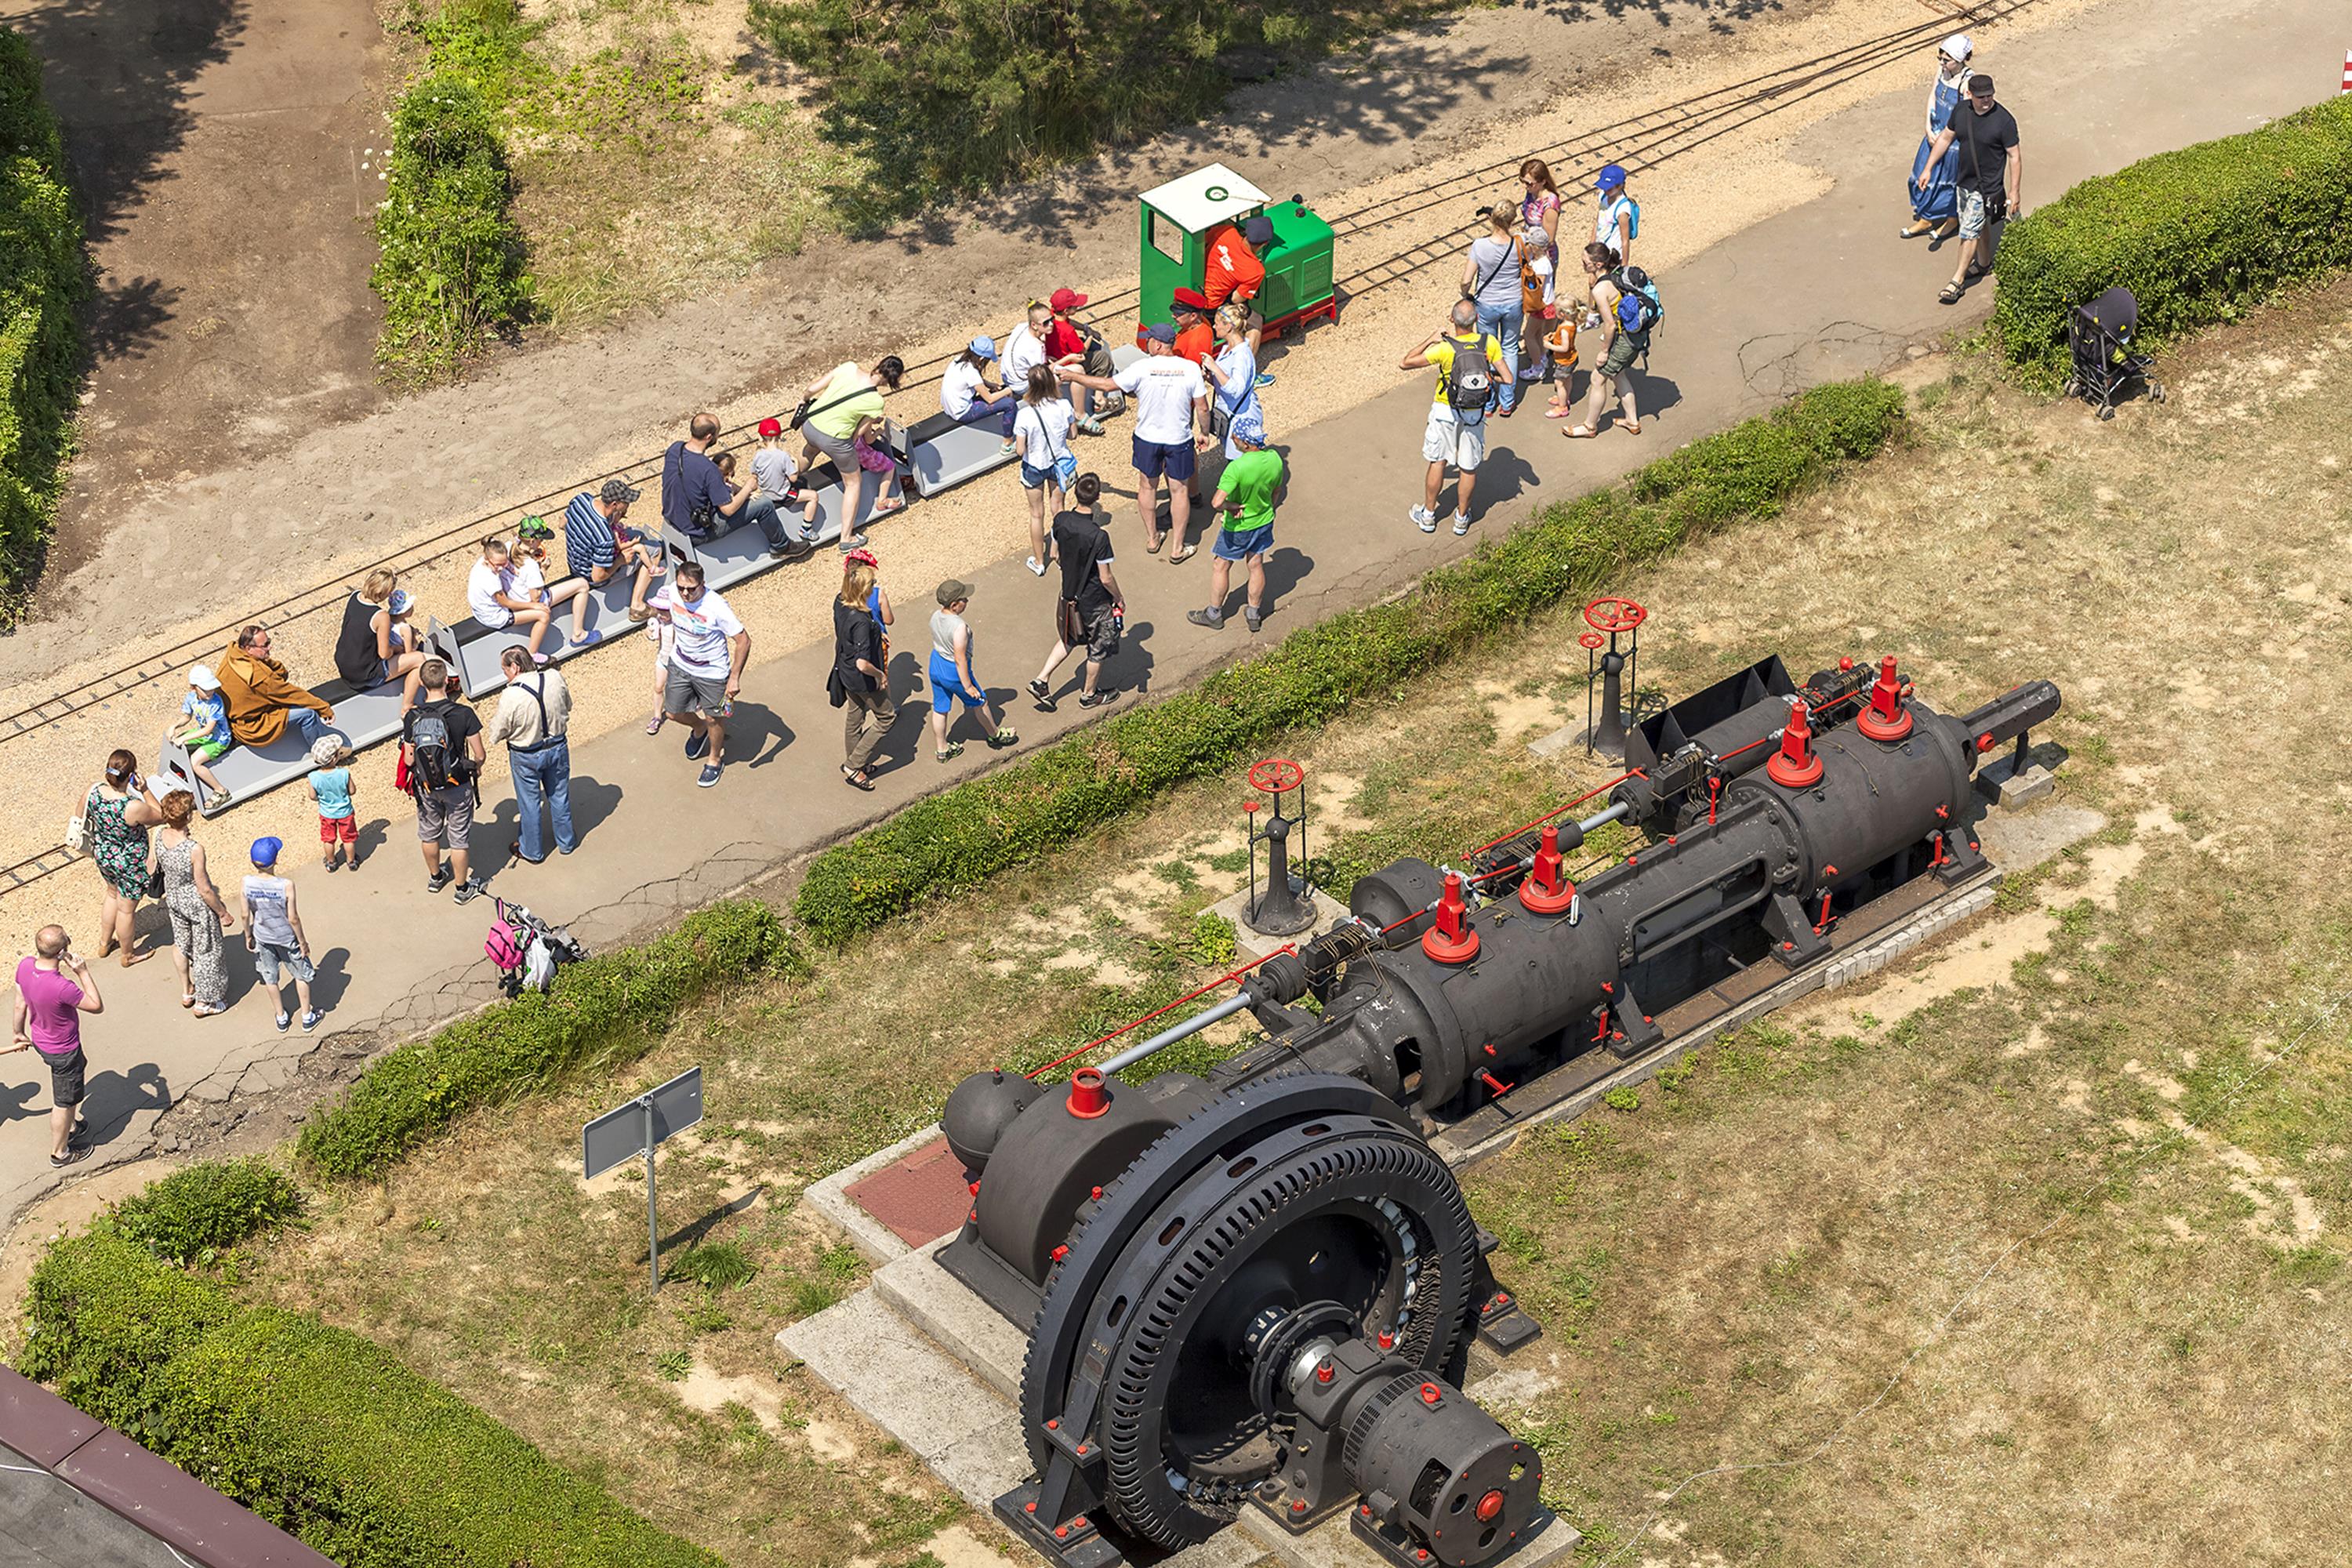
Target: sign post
<point x="638" y="1128"/>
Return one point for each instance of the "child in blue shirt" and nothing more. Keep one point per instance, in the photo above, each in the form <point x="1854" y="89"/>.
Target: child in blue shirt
<point x="204" y="733"/>
<point x="331" y="787"/>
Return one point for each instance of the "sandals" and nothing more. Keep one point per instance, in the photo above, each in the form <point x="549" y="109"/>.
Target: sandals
<point x="1004" y="738"/>
<point x="1151" y="546"/>
<point x="187" y="999"/>
<point x="1559" y="412"/>
<point x="1579" y="432"/>
<point x="1184" y="555"/>
<point x="653" y="726"/>
<point x="1630" y="427"/>
<point x="885" y="508"/>
<point x="1950" y="296"/>
<point x="856" y="779"/>
<point x="954" y="750"/>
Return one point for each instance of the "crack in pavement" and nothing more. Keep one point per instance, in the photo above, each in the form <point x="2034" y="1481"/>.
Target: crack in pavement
<point x="1829" y="337"/>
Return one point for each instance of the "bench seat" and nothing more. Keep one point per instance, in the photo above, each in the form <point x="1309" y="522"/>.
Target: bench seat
<point x="945" y="452"/>
<point x="363" y="718"/>
<point x="472" y="649"/>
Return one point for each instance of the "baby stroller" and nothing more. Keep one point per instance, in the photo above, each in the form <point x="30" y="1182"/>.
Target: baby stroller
<point x="527" y="950"/>
<point x="2099" y="337"/>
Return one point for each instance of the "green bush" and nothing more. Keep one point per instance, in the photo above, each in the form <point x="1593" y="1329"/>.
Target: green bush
<point x="717" y="1265"/>
<point x="2199" y="235"/>
<point x="607" y="1009"/>
<point x="451" y="272"/>
<point x="319" y="1431"/>
<point x="193" y="1214"/>
<point x="962" y="835"/>
<point x="42" y="284"/>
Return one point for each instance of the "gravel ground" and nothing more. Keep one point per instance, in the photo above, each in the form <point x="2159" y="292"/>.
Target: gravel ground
<point x="1688" y="204"/>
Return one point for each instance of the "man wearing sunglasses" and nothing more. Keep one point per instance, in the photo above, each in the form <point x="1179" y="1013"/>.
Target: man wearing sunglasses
<point x="706" y="658"/>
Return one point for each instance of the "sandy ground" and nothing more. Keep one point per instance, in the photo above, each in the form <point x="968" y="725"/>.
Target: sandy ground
<point x="1690" y="201"/>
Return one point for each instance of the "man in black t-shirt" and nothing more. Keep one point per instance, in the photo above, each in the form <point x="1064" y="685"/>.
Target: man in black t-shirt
<point x="441" y="745"/>
<point x="1992" y="179"/>
<point x="1089" y="612"/>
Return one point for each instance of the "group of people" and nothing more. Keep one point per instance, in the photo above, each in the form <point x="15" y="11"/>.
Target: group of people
<point x="1968" y="176"/>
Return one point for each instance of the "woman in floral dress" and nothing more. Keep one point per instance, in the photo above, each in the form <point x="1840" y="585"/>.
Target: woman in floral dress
<point x="116" y="815"/>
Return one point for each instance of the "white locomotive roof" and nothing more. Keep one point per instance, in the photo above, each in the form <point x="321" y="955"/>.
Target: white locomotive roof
<point x="1205" y="197"/>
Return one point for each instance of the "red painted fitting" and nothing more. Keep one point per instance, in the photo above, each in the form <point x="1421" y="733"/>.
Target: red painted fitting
<point x="975" y="1189"/>
<point x="1846" y="662"/>
<point x="1489" y="1506"/>
<point x="1495" y="1086"/>
<point x="1061" y="1533"/>
<point x="1431" y="1394"/>
<point x="1095" y="1194"/>
<point x="1061" y="1252"/>
<point x="1451" y="940"/>
<point x="1985" y="742"/>
<point x="1795" y="765"/>
<point x="1298" y="1505"/>
<point x="1886" y="719"/>
<point x="1029" y="1508"/>
<point x="1386" y="1340"/>
<point x="1825" y="909"/>
<point x="1052" y="1424"/>
<point x="1088" y="1098"/>
<point x="1365" y="1509"/>
<point x="1714" y="788"/>
<point x="1546" y="891"/>
<point x="1937" y="838"/>
<point x="1323" y="1373"/>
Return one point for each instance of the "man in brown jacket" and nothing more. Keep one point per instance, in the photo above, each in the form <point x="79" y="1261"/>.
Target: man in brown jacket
<point x="261" y="700"/>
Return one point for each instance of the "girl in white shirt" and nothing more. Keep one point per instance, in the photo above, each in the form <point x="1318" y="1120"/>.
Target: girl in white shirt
<point x="964" y="393"/>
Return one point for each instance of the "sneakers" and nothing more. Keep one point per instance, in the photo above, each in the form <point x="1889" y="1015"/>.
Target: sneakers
<point x="1006" y="448"/>
<point x="1005" y="737"/>
<point x="852" y="542"/>
<point x="1264" y="379"/>
<point x="1214" y="619"/>
<point x="1531" y="372"/>
<point x="1044" y="694"/>
<point x="1252" y="618"/>
<point x="707" y="777"/>
<point x="310" y="1020"/>
<point x="441" y="880"/>
<point x="284" y="1021"/>
<point x="950" y="752"/>
<point x="1096" y="699"/>
<point x="1461" y="523"/>
<point x="1424" y="519"/>
<point x="696" y="743"/>
<point x="1037" y="567"/>
<point x="468" y="891"/>
<point x="589" y="639"/>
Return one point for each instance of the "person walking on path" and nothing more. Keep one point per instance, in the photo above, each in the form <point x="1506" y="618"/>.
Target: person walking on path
<point x="372" y="650"/>
<point x="1041" y="432"/>
<point x="200" y="917"/>
<point x="859" y="682"/>
<point x="1626" y="304"/>
<point x="53" y="989"/>
<point x="532" y="720"/>
<point x="1469" y="363"/>
<point x="1616" y="216"/>
<point x="1253" y="485"/>
<point x="1992" y="176"/>
<point x="262" y="703"/>
<point x="951" y="677"/>
<point x="441" y="749"/>
<point x="1539" y="233"/>
<point x="116" y="814"/>
<point x="966" y="397"/>
<point x="1091" y="612"/>
<point x="838" y="402"/>
<point x="1490" y="280"/>
<point x="332" y="791"/>
<point x="708" y="652"/>
<point x="598" y="543"/>
<point x="1933" y="186"/>
<point x="1171" y="424"/>
<point x="274" y="935"/>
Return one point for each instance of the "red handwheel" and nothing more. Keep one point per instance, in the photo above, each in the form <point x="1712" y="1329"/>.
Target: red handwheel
<point x="1592" y="641"/>
<point x="1276" y="774"/>
<point x="1614" y="615"/>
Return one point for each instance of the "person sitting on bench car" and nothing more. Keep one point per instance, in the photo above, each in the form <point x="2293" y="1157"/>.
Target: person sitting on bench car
<point x="965" y="395"/>
<point x="262" y="703"/>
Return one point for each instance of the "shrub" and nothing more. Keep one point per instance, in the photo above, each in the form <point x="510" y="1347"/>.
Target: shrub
<point x="193" y="1214"/>
<point x="42" y="284"/>
<point x="2197" y="235"/>
<point x="321" y="1432"/>
<point x="607" y="1009"/>
<point x="715" y="1265"/>
<point x="962" y="835"/>
<point x="451" y="272"/>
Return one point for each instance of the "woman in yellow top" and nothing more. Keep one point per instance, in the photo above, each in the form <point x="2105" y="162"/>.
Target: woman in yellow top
<point x="839" y="401"/>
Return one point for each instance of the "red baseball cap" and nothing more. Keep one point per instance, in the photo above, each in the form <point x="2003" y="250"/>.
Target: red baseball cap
<point x="1065" y="299"/>
<point x="771" y="428"/>
<point x="1194" y="298"/>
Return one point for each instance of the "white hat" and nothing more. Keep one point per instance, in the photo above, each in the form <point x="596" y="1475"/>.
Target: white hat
<point x="1959" y="48"/>
<point x="203" y="678"/>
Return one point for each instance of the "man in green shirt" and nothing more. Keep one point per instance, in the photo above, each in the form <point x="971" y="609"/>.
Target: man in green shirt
<point x="1252" y="486"/>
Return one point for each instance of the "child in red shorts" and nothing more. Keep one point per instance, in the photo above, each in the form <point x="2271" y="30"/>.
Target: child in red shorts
<point x="331" y="787"/>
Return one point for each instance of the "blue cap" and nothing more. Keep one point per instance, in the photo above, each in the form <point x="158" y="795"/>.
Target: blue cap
<point x="400" y="600"/>
<point x="1160" y="332"/>
<point x="984" y="346"/>
<point x="1249" y="428"/>
<point x="1612" y="176"/>
<point x="265" y="850"/>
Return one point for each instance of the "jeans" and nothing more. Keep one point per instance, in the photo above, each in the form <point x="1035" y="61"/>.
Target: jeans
<point x="544" y="774"/>
<point x="306" y="722"/>
<point x="763" y="510"/>
<point x="1004" y="407"/>
<point x="1505" y="325"/>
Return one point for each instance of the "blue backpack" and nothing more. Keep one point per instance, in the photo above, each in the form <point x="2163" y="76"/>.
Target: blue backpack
<point x="1639" y="309"/>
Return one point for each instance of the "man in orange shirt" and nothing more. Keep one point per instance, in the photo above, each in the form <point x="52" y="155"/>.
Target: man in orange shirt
<point x="1233" y="270"/>
<point x="1195" y="338"/>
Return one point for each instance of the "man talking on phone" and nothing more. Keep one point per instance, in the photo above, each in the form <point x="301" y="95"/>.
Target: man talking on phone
<point x="53" y="989"/>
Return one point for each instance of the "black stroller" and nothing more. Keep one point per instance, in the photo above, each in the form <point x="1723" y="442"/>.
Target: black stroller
<point x="2099" y="336"/>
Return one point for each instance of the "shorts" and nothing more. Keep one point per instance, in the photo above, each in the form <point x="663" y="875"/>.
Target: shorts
<point x="445" y="815"/>
<point x="1241" y="544"/>
<point x="269" y="959"/>
<point x="1623" y="349"/>
<point x="947" y="688"/>
<point x="343" y="829"/>
<point x="65" y="1074"/>
<point x="1448" y="440"/>
<point x="837" y="447"/>
<point x="504" y="618"/>
<point x="686" y="692"/>
<point x="1064" y="471"/>
<point x="210" y="751"/>
<point x="1975" y="212"/>
<point x="1099" y="636"/>
<point x="1167" y="459"/>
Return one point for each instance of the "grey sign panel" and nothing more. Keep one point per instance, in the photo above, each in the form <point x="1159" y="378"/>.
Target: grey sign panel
<point x="619" y="1134"/>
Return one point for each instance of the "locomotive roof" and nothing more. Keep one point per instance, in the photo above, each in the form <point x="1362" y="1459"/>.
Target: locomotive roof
<point x="1205" y="197"/>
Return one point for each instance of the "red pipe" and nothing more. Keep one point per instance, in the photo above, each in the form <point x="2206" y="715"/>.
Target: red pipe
<point x="1547" y="816"/>
<point x="1123" y="1028"/>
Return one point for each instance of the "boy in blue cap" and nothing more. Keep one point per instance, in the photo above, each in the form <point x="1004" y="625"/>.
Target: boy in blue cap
<point x="274" y="935"/>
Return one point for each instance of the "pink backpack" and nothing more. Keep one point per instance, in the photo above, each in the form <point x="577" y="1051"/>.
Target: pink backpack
<point x="504" y="945"/>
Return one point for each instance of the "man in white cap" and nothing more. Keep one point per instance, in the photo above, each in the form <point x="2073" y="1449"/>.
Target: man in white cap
<point x="1935" y="204"/>
<point x="202" y="733"/>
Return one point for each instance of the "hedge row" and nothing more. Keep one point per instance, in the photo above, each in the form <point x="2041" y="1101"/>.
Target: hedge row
<point x="452" y="270"/>
<point x="200" y="1211"/>
<point x="319" y="1431"/>
<point x="2197" y="235"/>
<point x="962" y="835"/>
<point x="607" y="1009"/>
<point x="42" y="283"/>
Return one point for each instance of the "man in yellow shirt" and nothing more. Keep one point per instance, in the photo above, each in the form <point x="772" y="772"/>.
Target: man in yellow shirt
<point x="1469" y="369"/>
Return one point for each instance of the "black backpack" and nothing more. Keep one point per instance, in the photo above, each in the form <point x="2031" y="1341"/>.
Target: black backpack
<point x="1469" y="387"/>
<point x="430" y="766"/>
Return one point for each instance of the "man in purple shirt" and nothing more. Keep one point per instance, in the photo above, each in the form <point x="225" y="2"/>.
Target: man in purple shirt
<point x="53" y="989"/>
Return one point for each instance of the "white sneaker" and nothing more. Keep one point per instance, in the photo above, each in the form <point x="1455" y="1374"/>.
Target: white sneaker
<point x="1461" y="523"/>
<point x="1530" y="372"/>
<point x="1424" y="519"/>
<point x="1035" y="566"/>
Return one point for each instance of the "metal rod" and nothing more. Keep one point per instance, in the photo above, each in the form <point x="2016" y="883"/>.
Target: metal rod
<point x="652" y="1220"/>
<point x="1617" y="813"/>
<point x="1185" y="1030"/>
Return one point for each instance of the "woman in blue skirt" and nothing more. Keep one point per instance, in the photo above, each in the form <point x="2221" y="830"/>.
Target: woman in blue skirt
<point x="1935" y="210"/>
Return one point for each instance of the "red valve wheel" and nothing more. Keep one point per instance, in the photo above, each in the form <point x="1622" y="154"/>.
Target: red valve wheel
<point x="1592" y="641"/>
<point x="1614" y="614"/>
<point x="1276" y="774"/>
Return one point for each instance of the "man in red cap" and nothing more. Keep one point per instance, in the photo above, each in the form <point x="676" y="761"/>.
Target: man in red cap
<point x="778" y="479"/>
<point x="1065" y="339"/>
<point x="1195" y="339"/>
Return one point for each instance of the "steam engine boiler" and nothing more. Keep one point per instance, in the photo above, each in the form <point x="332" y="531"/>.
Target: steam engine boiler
<point x="1258" y="1286"/>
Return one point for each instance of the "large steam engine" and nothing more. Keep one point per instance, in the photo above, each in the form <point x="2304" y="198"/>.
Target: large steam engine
<point x="1259" y="1286"/>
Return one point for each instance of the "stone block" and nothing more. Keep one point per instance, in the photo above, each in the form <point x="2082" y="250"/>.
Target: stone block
<point x="2009" y="786"/>
<point x="873" y="1358"/>
<point x="1252" y="945"/>
<point x="946" y="1310"/>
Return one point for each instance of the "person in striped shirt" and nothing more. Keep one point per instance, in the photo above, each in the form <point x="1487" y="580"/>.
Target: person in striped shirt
<point x="597" y="545"/>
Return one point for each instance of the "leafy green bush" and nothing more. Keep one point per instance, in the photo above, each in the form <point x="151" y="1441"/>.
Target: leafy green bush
<point x="2199" y="235"/>
<point x="607" y="1009"/>
<point x="962" y="835"/>
<point x="451" y="272"/>
<point x="319" y="1431"/>
<point x="42" y="283"/>
<point x="193" y="1214"/>
<point x="717" y="1265"/>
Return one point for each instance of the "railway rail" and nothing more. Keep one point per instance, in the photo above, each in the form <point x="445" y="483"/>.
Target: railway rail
<point x="1638" y="142"/>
